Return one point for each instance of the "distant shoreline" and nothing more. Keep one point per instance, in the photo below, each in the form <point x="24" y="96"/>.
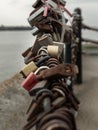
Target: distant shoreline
<point x="14" y="28"/>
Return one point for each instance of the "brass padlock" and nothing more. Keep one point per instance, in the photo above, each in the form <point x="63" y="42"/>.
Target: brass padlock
<point x="32" y="67"/>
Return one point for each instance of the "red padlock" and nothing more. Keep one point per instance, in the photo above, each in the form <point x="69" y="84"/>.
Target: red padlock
<point x="29" y="82"/>
<point x="32" y="79"/>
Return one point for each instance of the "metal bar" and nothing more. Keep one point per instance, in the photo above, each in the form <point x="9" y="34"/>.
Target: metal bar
<point x="79" y="56"/>
<point x="89" y="40"/>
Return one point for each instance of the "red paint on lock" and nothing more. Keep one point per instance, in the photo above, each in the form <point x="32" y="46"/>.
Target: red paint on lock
<point x="45" y="11"/>
<point x="29" y="82"/>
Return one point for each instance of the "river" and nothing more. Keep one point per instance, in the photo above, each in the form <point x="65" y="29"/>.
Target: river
<point x="12" y="44"/>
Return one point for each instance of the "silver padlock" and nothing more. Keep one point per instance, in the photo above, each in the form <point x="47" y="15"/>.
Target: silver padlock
<point x="45" y="39"/>
<point x="35" y="31"/>
<point x="35" y="16"/>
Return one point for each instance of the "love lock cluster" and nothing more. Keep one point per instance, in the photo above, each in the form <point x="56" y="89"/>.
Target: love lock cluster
<point x="46" y="75"/>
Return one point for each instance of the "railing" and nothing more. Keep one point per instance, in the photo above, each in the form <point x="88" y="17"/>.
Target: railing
<point x="53" y="64"/>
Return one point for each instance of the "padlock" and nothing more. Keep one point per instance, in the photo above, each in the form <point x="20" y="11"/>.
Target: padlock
<point x="37" y="4"/>
<point x="53" y="50"/>
<point x="35" y="30"/>
<point x="61" y="46"/>
<point x="36" y="15"/>
<point x="33" y="79"/>
<point x="44" y="40"/>
<point x="32" y="67"/>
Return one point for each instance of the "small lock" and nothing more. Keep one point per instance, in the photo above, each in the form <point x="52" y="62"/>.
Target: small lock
<point x="32" y="67"/>
<point x="35" y="30"/>
<point x="29" y="82"/>
<point x="45" y="39"/>
<point x="36" y="15"/>
<point x="32" y="79"/>
<point x="53" y="50"/>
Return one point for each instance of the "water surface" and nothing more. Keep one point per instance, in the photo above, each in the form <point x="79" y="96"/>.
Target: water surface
<point x="12" y="44"/>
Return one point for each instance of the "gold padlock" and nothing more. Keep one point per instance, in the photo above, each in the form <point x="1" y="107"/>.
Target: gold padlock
<point x="31" y="67"/>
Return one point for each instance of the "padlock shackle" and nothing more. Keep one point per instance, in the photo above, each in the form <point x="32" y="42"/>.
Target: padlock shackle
<point x="41" y="68"/>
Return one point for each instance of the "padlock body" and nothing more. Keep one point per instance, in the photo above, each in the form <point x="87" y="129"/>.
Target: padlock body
<point x="31" y="67"/>
<point x="29" y="82"/>
<point x="53" y="50"/>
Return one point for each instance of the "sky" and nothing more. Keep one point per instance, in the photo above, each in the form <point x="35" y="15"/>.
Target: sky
<point x="16" y="12"/>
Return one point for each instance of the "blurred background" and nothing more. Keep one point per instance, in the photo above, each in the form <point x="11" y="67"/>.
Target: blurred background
<point x="13" y="43"/>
